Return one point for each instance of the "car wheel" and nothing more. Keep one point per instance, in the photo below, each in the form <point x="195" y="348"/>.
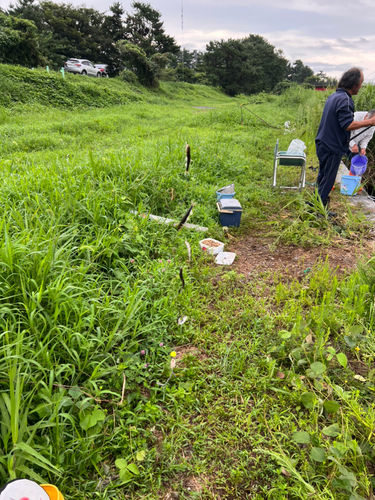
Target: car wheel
<point x="84" y="72"/>
<point x="98" y="74"/>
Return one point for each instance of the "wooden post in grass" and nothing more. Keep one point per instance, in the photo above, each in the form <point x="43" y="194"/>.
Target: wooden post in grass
<point x="47" y="68"/>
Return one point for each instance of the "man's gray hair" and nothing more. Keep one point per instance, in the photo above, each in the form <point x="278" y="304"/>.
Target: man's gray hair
<point x="350" y="79"/>
<point x="371" y="113"/>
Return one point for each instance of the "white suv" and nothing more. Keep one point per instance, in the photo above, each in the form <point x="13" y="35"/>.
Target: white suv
<point x="81" y="66"/>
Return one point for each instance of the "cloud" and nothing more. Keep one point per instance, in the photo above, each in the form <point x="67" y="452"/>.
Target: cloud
<point x="336" y="54"/>
<point x="337" y="8"/>
<point x="328" y="68"/>
<point x="332" y="55"/>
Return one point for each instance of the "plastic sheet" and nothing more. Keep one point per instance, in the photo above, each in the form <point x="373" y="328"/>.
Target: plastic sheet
<point x="296" y="147"/>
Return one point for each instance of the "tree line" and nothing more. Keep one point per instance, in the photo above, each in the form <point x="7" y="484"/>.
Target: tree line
<point x="135" y="45"/>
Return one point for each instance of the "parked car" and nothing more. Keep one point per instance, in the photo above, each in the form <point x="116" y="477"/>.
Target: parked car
<point x="103" y="69"/>
<point x="82" y="67"/>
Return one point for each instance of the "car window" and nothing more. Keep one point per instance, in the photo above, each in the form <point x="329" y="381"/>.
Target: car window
<point x="91" y="64"/>
<point x="86" y="63"/>
<point x="73" y="61"/>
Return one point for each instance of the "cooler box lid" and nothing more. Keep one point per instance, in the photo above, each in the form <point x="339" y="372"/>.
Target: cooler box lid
<point x="232" y="204"/>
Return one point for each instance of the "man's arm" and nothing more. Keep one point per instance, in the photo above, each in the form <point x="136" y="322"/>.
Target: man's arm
<point x="363" y="124"/>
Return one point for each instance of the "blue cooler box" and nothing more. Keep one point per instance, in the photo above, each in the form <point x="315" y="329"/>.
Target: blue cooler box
<point x="230" y="212"/>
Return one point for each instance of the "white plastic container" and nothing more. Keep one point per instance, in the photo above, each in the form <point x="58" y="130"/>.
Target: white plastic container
<point x="225" y="258"/>
<point x="213" y="250"/>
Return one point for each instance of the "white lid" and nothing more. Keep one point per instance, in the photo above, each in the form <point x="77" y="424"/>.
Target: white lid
<point x="232" y="204"/>
<point x="22" y="489"/>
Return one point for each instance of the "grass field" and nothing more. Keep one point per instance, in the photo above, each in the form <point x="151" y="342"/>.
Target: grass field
<point x="274" y="389"/>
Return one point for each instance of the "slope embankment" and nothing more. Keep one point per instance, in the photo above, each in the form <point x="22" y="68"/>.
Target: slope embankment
<point x="25" y="86"/>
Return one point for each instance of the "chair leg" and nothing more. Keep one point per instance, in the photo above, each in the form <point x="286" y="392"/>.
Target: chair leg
<point x="274" y="173"/>
<point x="302" y="180"/>
<point x="304" y="175"/>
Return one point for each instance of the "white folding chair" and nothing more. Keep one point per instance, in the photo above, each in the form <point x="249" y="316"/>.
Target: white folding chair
<point x="286" y="159"/>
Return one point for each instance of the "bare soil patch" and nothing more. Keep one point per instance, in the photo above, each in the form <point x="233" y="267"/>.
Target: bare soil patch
<point x="185" y="350"/>
<point x="255" y="256"/>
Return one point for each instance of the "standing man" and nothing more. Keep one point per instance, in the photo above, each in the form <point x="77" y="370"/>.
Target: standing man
<point x="359" y="144"/>
<point x="332" y="140"/>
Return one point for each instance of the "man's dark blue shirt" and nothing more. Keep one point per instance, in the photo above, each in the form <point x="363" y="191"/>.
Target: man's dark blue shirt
<point x="337" y="115"/>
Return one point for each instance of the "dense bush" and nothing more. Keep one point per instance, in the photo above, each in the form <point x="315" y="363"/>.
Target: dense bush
<point x="129" y="77"/>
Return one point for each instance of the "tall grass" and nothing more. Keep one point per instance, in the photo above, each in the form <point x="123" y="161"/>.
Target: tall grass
<point x="86" y="287"/>
<point x="365" y="100"/>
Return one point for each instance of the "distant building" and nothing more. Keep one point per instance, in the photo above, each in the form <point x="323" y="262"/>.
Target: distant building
<point x="319" y="85"/>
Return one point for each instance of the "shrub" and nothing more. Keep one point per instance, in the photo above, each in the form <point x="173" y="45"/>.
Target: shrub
<point x="129" y="77"/>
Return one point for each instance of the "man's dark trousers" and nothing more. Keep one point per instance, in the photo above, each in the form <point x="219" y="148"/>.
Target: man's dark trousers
<point x="328" y="166"/>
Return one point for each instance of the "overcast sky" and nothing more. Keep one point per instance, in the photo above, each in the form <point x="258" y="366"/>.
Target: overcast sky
<point x="328" y="35"/>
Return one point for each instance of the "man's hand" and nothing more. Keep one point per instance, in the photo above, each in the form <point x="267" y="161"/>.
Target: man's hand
<point x="355" y="149"/>
<point x="363" y="151"/>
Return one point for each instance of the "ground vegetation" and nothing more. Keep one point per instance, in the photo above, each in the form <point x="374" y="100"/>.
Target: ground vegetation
<point x="272" y="389"/>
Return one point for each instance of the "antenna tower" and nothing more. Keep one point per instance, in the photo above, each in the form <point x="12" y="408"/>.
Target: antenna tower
<point x="182" y="37"/>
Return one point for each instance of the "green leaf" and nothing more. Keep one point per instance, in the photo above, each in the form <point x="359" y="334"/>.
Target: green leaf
<point x="284" y="334"/>
<point x="308" y="399"/>
<point x="356" y="330"/>
<point x="331" y="407"/>
<point x="301" y="437"/>
<point x="45" y="463"/>
<point x="134" y="469"/>
<point x="342" y="484"/>
<point x="342" y="359"/>
<point x="121" y="463"/>
<point x="296" y="353"/>
<point x="337" y="453"/>
<point x="345" y="474"/>
<point x="88" y="422"/>
<point x="318" y="385"/>
<point x="318" y="368"/>
<point x="332" y="430"/>
<point x="98" y="414"/>
<point x="351" y="341"/>
<point x="318" y="454"/>
<point x="141" y="455"/>
<point x="75" y="392"/>
<point x="30" y="473"/>
<point x="310" y="373"/>
<point x="125" y="475"/>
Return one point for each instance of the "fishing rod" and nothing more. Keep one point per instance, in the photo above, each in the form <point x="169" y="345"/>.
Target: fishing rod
<point x="259" y="118"/>
<point x="363" y="131"/>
